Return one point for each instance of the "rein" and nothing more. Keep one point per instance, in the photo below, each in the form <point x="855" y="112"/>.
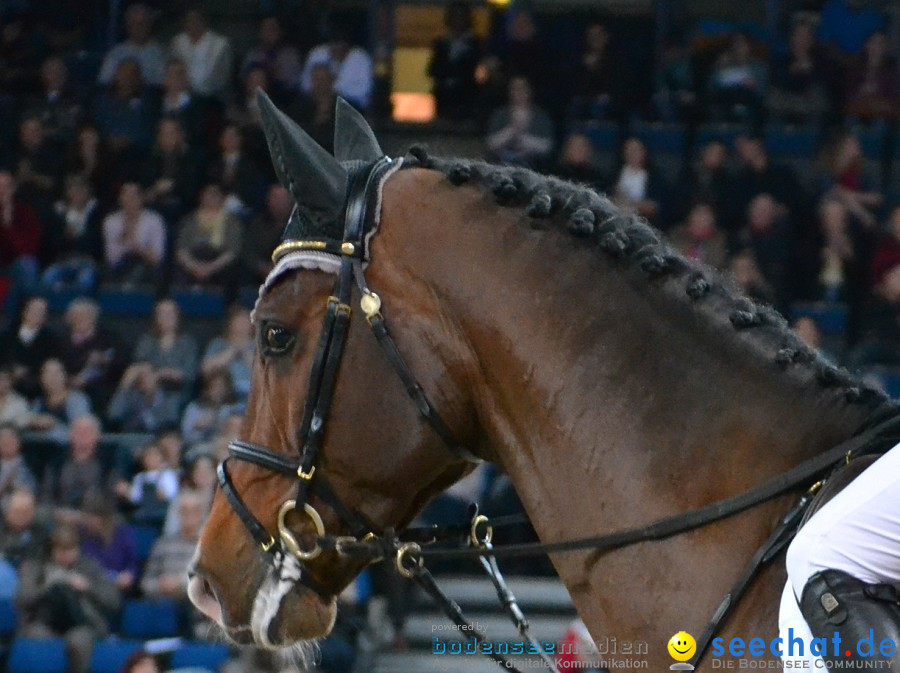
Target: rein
<point x="410" y="549"/>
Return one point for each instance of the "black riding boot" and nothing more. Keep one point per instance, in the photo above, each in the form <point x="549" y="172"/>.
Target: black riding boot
<point x="863" y="615"/>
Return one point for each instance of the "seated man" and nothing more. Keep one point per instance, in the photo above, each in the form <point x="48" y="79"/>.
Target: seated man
<point x="22" y="535"/>
<point x="843" y="569"/>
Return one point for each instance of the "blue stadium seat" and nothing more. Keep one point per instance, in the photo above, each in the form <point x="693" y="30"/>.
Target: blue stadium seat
<point x="144" y="537"/>
<point x="8" y="618"/>
<point x="109" y="655"/>
<point x="659" y="137"/>
<point x="58" y="300"/>
<point x="126" y="303"/>
<point x="38" y="655"/>
<point x="209" y="656"/>
<point x="200" y="303"/>
<point x="725" y="133"/>
<point x="147" y="619"/>
<point x="247" y="296"/>
<point x="831" y="318"/>
<point x="604" y="136"/>
<point x="891" y="381"/>
<point x="792" y="141"/>
<point x="872" y="139"/>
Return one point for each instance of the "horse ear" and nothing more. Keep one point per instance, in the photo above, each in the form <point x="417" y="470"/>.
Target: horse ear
<point x="316" y="180"/>
<point x="354" y="139"/>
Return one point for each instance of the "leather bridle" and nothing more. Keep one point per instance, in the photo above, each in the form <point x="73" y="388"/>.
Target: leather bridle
<point x="352" y="253"/>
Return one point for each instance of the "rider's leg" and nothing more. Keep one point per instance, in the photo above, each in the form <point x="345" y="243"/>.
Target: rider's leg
<point x="858" y="533"/>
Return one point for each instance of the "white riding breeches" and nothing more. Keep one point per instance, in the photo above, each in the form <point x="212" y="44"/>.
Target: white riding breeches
<point x="858" y="532"/>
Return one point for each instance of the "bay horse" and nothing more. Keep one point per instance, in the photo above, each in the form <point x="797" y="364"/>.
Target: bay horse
<point x="613" y="380"/>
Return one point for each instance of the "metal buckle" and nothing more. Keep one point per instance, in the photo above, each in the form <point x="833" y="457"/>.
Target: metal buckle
<point x="488" y="531"/>
<point x="288" y="538"/>
<point x="266" y="546"/>
<point x="409" y="552"/>
<point x="306" y="476"/>
<point x="340" y="306"/>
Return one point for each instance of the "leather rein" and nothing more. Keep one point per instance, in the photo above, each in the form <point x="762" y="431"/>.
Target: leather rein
<point x="406" y="548"/>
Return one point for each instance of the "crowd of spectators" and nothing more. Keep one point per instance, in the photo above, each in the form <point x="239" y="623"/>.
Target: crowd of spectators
<point x="151" y="172"/>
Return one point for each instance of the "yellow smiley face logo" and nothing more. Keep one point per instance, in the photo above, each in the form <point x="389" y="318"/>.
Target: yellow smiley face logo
<point x="682" y="646"/>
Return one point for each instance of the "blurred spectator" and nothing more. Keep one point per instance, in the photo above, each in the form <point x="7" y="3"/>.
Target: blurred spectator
<point x="134" y="239"/>
<point x="90" y="157"/>
<point x="25" y="346"/>
<point x="749" y="278"/>
<point x="203" y="417"/>
<point x="108" y="540"/>
<point x="14" y="473"/>
<point x="227" y="430"/>
<point x="594" y="76"/>
<point x="769" y="236"/>
<point x="845" y="25"/>
<point x="178" y="102"/>
<point x="350" y="65"/>
<point x="887" y="251"/>
<point x="873" y="82"/>
<point x="126" y="115"/>
<point x="244" y="111"/>
<point x="171" y="175"/>
<point x="707" y="179"/>
<point x="68" y="596"/>
<point x="140" y="404"/>
<point x="58" y="404"/>
<point x="699" y="238"/>
<point x="808" y="330"/>
<point x="20" y="239"/>
<point x="141" y="662"/>
<point x="520" y="133"/>
<point x="280" y="61"/>
<point x="81" y="473"/>
<point x="757" y="174"/>
<point x="201" y="478"/>
<point x="19" y="53"/>
<point x="848" y="179"/>
<point x="237" y="172"/>
<point x="675" y="92"/>
<point x="38" y="166"/>
<point x="577" y="162"/>
<point x="139" y="47"/>
<point x="637" y="187"/>
<point x="454" y="59"/>
<point x="524" y="54"/>
<point x="737" y="84"/>
<point x="165" y="575"/>
<point x="880" y="325"/>
<point x="23" y="535"/>
<point x="314" y="110"/>
<point x="209" y="241"/>
<point x="76" y="236"/>
<point x="206" y="54"/>
<point x="59" y="109"/>
<point x="171" y="443"/>
<point x="152" y="488"/>
<point x="93" y="354"/>
<point x="170" y="352"/>
<point x="13" y="407"/>
<point x="233" y="352"/>
<point x="838" y="257"/>
<point x="267" y="230"/>
<point x="798" y="94"/>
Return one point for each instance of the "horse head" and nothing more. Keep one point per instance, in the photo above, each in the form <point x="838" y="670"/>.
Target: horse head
<point x="370" y="462"/>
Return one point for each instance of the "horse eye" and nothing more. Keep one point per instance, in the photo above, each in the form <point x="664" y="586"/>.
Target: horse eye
<point x="278" y="339"/>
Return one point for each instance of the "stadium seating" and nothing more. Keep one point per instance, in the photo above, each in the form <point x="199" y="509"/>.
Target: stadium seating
<point x="8" y="618"/>
<point x="200" y="302"/>
<point x="121" y="303"/>
<point x="38" y="655"/>
<point x="831" y="318"/>
<point x="208" y="656"/>
<point x="149" y="619"/>
<point x="110" y="655"/>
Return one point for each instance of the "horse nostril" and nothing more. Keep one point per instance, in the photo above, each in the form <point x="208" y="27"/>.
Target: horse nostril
<point x="204" y="598"/>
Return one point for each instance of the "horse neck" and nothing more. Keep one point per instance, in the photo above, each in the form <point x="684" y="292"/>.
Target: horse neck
<point x="605" y="382"/>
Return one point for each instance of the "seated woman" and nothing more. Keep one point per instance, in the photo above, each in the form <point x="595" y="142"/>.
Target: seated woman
<point x="58" y="404"/>
<point x="873" y="82"/>
<point x="209" y="243"/>
<point x="848" y="179"/>
<point x="109" y="540"/>
<point x="204" y="416"/>
<point x="151" y="490"/>
<point x="171" y="173"/>
<point x="233" y="352"/>
<point x="798" y="94"/>
<point x="637" y="186"/>
<point x="170" y="352"/>
<point x="134" y="239"/>
<point x="520" y="133"/>
<point x="737" y="84"/>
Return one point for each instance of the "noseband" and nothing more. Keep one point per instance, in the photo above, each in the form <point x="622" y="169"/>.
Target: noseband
<point x="351" y="252"/>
